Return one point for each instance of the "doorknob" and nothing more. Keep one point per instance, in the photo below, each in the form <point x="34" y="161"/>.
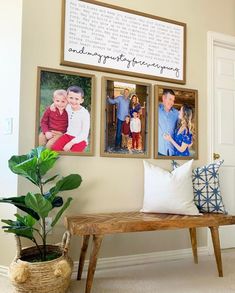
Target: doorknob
<point x="216" y="156"/>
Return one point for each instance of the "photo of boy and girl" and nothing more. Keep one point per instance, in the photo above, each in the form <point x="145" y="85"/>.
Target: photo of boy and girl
<point x="126" y="123"/>
<point x="64" y="123"/>
<point x="177" y="133"/>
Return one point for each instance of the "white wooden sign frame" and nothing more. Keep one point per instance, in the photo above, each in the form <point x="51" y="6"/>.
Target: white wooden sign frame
<point x="108" y="38"/>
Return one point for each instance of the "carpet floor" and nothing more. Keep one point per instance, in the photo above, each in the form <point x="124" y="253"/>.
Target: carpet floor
<point x="180" y="276"/>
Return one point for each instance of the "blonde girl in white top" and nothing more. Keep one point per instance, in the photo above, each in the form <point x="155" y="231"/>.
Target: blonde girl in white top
<point x="135" y="127"/>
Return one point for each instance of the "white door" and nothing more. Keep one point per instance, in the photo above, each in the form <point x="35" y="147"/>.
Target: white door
<point x="223" y="130"/>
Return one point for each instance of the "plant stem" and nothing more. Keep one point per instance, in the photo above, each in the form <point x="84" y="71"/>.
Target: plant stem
<point x="38" y="232"/>
<point x="38" y="247"/>
<point x="44" y="236"/>
<point x="48" y="231"/>
<point x="40" y="185"/>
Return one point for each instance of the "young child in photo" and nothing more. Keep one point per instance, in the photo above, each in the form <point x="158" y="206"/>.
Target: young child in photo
<point x="54" y="123"/>
<point x="126" y="131"/>
<point x="135" y="127"/>
<point x="76" y="137"/>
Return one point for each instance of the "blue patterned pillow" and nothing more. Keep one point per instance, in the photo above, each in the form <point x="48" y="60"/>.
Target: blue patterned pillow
<point x="206" y="188"/>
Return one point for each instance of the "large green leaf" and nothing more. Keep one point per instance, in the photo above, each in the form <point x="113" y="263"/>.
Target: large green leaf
<point x="10" y="222"/>
<point x="19" y="202"/>
<point x="15" y="160"/>
<point x="47" y="160"/>
<point x="66" y="183"/>
<point x="26" y="167"/>
<point x="13" y="200"/>
<point x="22" y="232"/>
<point x="59" y="214"/>
<point x="27" y="220"/>
<point x="38" y="203"/>
<point x="33" y="165"/>
<point x="69" y="182"/>
<point x="18" y="228"/>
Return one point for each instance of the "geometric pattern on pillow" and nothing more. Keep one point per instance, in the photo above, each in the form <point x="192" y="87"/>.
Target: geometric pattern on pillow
<point x="206" y="188"/>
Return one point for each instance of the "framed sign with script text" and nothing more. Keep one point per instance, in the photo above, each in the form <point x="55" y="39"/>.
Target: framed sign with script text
<point x="108" y="38"/>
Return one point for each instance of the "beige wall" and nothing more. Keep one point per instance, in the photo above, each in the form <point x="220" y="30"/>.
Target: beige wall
<point x="114" y="184"/>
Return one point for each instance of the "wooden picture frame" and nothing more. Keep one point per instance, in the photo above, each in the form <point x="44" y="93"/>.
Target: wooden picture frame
<point x="109" y="38"/>
<point x="134" y="140"/>
<point x="61" y="87"/>
<point x="168" y="120"/>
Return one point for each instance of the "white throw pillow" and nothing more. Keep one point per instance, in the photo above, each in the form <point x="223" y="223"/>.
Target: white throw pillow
<point x="169" y="192"/>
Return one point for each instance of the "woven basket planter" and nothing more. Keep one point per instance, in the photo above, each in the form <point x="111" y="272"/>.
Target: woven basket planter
<point x="42" y="277"/>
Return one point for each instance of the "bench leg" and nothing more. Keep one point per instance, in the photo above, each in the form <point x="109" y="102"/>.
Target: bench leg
<point x="193" y="237"/>
<point x="217" y="251"/>
<point x="85" y="242"/>
<point x="97" y="240"/>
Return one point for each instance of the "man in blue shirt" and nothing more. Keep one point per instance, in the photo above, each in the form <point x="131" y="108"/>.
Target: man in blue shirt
<point x="167" y="122"/>
<point x="122" y="103"/>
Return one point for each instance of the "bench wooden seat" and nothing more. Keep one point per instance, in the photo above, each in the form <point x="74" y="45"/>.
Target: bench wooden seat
<point x="97" y="225"/>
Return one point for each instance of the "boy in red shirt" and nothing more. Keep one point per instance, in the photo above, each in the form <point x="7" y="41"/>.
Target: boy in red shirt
<point x="126" y="131"/>
<point x="54" y="123"/>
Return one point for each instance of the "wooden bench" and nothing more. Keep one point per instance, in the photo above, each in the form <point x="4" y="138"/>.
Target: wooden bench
<point x="97" y="225"/>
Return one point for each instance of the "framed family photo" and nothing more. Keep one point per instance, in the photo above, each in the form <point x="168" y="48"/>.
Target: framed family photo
<point x="65" y="110"/>
<point x="176" y="123"/>
<point x="125" y="118"/>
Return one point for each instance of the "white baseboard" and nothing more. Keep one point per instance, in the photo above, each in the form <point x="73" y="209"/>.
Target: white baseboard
<point x="3" y="271"/>
<point x="138" y="259"/>
<point x="132" y="260"/>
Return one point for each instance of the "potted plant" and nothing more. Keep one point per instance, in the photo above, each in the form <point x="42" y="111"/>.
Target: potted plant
<point x="41" y="268"/>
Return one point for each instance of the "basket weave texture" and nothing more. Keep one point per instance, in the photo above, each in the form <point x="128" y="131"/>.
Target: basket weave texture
<point x="41" y="277"/>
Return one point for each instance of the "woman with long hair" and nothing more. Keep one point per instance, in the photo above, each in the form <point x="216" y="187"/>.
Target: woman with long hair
<point x="134" y="105"/>
<point x="183" y="135"/>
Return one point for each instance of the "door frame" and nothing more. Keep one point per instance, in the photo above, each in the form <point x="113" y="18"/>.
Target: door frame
<point x="214" y="39"/>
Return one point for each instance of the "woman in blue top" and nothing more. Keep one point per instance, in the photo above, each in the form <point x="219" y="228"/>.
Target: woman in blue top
<point x="183" y="137"/>
<point x="134" y="105"/>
